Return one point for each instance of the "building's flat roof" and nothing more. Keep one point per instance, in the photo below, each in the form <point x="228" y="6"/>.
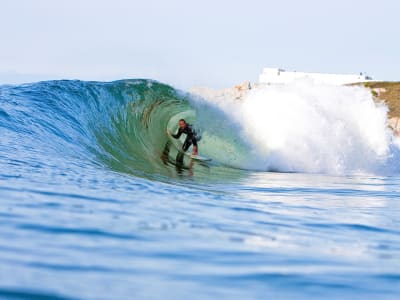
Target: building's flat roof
<point x="278" y="75"/>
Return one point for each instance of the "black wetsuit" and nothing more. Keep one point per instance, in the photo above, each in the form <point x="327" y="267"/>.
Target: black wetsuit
<point x="190" y="137"/>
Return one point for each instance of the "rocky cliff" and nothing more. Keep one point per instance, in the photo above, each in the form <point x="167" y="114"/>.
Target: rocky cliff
<point x="388" y="92"/>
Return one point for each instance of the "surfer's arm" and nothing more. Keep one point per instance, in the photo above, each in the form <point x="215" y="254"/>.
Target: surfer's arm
<point x="195" y="148"/>
<point x="178" y="135"/>
<point x="194" y="141"/>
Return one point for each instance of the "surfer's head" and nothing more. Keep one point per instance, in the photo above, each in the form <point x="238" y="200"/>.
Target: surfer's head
<point x="182" y="123"/>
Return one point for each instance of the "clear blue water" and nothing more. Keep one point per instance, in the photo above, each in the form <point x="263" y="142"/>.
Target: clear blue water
<point x="92" y="206"/>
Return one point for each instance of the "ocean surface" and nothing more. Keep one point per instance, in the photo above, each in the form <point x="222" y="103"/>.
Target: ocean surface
<point x="300" y="201"/>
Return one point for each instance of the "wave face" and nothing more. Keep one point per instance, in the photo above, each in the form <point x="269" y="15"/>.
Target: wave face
<point x="122" y="124"/>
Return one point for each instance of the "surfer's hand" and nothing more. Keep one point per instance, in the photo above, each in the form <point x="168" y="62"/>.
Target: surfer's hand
<point x="195" y="151"/>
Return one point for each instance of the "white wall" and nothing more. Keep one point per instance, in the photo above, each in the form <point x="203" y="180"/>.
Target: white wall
<point x="276" y="75"/>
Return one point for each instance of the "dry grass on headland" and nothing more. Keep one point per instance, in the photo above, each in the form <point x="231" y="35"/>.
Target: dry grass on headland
<point x="389" y="92"/>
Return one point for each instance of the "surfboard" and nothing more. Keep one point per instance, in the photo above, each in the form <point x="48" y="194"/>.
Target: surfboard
<point x="198" y="157"/>
<point x="178" y="145"/>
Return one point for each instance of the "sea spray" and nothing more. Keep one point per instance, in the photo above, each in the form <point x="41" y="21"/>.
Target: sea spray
<point x="303" y="127"/>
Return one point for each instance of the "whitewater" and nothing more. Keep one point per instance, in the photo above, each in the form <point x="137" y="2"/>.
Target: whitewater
<point x="300" y="200"/>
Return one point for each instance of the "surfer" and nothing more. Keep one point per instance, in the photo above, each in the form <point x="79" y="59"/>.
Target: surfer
<point x="190" y="136"/>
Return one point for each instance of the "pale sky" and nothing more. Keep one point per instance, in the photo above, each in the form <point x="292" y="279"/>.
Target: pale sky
<point x="196" y="43"/>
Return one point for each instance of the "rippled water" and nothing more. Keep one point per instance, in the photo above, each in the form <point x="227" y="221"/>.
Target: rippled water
<point x="81" y="220"/>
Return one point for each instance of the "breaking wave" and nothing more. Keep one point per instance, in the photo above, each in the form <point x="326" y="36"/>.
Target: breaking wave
<point x="122" y="125"/>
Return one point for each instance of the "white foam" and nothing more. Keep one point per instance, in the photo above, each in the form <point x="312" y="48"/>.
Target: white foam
<point x="304" y="127"/>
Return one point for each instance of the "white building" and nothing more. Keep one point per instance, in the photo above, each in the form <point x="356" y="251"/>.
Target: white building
<point x="279" y="76"/>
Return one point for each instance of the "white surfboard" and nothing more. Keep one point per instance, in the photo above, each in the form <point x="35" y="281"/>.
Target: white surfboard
<point x="198" y="157"/>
